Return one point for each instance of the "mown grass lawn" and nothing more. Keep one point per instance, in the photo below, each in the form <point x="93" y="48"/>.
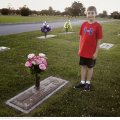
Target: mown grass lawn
<point x="5" y="19"/>
<point x="22" y="19"/>
<point x="102" y="100"/>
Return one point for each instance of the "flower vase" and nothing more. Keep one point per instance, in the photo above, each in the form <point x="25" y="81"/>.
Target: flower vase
<point x="37" y="84"/>
<point x="66" y="30"/>
<point x="45" y="34"/>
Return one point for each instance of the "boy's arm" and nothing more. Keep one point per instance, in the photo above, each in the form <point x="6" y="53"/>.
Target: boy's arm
<point x="97" y="49"/>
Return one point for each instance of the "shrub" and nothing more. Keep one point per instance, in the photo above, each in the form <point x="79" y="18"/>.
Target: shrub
<point x="25" y="11"/>
<point x="5" y="11"/>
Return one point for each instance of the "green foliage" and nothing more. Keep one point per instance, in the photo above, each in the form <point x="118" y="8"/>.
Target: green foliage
<point x="76" y="9"/>
<point x="5" y="11"/>
<point x="115" y="15"/>
<point x="103" y="15"/>
<point x="25" y="11"/>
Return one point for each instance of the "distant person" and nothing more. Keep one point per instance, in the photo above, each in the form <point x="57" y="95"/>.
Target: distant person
<point x="90" y="38"/>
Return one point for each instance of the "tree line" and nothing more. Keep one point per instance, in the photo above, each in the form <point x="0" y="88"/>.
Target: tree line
<point x="115" y="15"/>
<point x="76" y="9"/>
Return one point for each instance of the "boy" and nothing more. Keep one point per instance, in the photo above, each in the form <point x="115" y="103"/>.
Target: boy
<point x="90" y="37"/>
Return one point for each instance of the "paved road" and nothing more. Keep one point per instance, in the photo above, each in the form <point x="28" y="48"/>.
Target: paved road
<point x="6" y="29"/>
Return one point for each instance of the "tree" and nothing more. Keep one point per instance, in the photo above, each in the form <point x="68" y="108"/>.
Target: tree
<point x="18" y="12"/>
<point x="5" y="11"/>
<point x="34" y="12"/>
<point x="13" y="11"/>
<point x="44" y="12"/>
<point x="115" y="15"/>
<point x="76" y="9"/>
<point x="104" y="14"/>
<point x="57" y="13"/>
<point x="68" y="11"/>
<point x="51" y="11"/>
<point x="25" y="11"/>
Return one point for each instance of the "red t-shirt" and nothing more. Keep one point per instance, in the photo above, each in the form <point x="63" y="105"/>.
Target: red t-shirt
<point x="90" y="33"/>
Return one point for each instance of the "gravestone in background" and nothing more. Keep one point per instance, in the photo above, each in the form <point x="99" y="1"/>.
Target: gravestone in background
<point x="106" y="46"/>
<point x="2" y="48"/>
<point x="48" y="36"/>
<point x="67" y="33"/>
<point x="118" y="34"/>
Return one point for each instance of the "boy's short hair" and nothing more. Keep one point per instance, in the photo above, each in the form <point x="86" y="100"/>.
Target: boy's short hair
<point x="92" y="8"/>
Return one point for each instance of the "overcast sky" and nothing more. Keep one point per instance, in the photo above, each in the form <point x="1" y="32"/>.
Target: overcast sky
<point x="108" y="5"/>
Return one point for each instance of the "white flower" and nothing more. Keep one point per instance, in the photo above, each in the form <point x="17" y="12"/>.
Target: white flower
<point x="42" y="55"/>
<point x="31" y="56"/>
<point x="47" y="25"/>
<point x="34" y="63"/>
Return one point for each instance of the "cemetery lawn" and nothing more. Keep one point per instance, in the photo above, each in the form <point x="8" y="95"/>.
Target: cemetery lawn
<point x="7" y="19"/>
<point x="28" y="19"/>
<point x="102" y="100"/>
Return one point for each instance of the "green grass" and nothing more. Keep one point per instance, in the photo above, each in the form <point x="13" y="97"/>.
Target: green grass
<point x="102" y="100"/>
<point x="22" y="19"/>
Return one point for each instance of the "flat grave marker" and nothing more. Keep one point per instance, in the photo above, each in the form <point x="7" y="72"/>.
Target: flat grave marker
<point x="2" y="48"/>
<point x="48" y="36"/>
<point x="67" y="33"/>
<point x="31" y="98"/>
<point x="106" y="46"/>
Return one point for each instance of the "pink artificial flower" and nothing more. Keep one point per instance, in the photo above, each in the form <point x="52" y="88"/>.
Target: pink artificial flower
<point x="42" y="67"/>
<point x="30" y="56"/>
<point x="37" y="57"/>
<point x="37" y="60"/>
<point x="43" y="61"/>
<point x="28" y="64"/>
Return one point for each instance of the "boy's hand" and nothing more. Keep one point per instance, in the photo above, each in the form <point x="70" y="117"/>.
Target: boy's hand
<point x="94" y="56"/>
<point x="97" y="48"/>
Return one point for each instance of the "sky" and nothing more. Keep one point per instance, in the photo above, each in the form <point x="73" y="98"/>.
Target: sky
<point x="108" y="5"/>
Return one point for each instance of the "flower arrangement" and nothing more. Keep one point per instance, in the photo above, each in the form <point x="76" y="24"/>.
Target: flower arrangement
<point x="45" y="28"/>
<point x="67" y="26"/>
<point x="37" y="64"/>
